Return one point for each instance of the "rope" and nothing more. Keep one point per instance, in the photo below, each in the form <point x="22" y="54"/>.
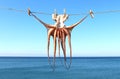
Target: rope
<point x="42" y="13"/>
<point x="25" y="11"/>
<point x="110" y="11"/>
<point x="102" y="12"/>
<point x="12" y="9"/>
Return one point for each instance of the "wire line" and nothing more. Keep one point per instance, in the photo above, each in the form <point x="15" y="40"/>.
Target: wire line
<point x="25" y="11"/>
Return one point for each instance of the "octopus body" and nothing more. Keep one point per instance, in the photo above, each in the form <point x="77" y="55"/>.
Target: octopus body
<point x="59" y="32"/>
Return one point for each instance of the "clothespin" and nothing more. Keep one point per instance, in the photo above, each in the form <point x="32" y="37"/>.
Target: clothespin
<point x="91" y="14"/>
<point x="29" y="11"/>
<point x="64" y="11"/>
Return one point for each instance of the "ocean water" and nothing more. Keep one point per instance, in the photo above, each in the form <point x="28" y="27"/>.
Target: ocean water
<point x="38" y="68"/>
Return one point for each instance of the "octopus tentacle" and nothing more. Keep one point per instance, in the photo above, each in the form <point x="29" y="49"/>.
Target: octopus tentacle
<point x="63" y="45"/>
<point x="58" y="34"/>
<point x="69" y="42"/>
<point x="59" y="40"/>
<point x="55" y="35"/>
<point x="48" y="26"/>
<point x="48" y="44"/>
<point x="74" y="25"/>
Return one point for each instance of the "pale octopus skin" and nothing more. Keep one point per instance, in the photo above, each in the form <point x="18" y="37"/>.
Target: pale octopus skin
<point x="59" y="32"/>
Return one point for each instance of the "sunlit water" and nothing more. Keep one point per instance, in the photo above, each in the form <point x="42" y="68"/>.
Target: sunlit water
<point x="81" y="68"/>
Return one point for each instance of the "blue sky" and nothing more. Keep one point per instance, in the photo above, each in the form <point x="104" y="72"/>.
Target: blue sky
<point x="22" y="35"/>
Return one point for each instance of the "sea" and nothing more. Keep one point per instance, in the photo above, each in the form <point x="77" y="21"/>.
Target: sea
<point x="38" y="68"/>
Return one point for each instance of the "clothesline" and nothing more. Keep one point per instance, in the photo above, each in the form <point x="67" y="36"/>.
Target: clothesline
<point x="77" y="14"/>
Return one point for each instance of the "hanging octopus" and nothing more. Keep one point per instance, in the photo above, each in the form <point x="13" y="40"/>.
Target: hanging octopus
<point x="59" y="31"/>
